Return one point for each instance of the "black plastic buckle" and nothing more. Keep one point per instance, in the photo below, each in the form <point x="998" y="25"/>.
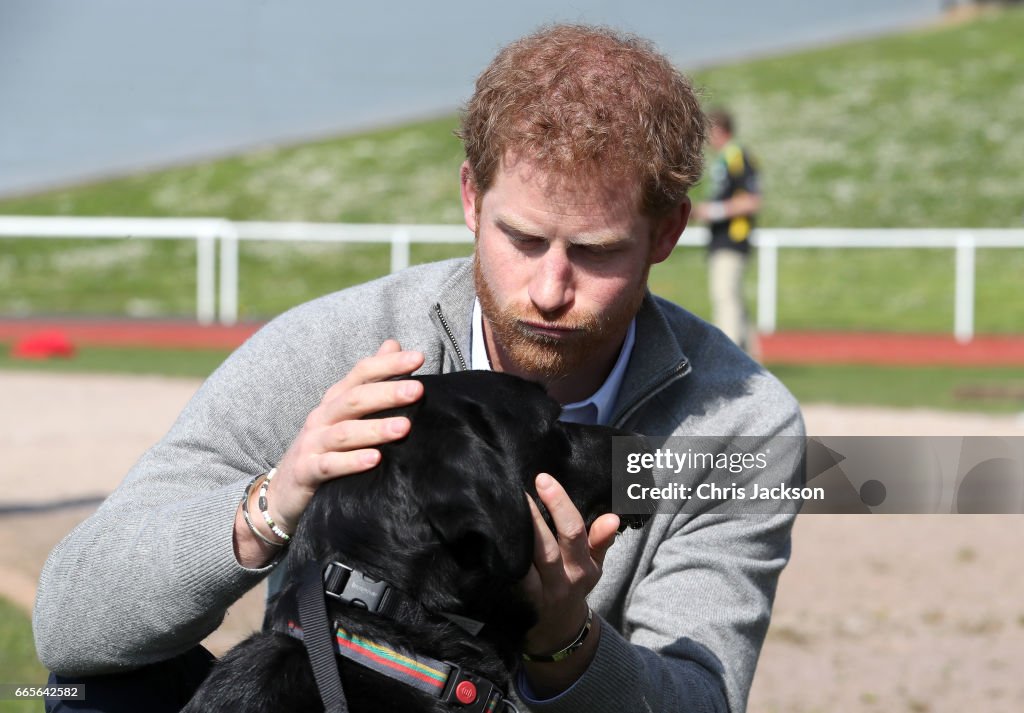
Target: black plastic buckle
<point x="468" y="692"/>
<point x="354" y="587"/>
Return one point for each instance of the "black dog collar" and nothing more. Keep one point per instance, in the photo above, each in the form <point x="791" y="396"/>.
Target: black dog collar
<point x="358" y="589"/>
<point x="459" y="689"/>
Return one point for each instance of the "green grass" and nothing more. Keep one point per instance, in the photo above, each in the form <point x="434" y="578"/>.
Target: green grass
<point x="920" y="129"/>
<point x="841" y="289"/>
<point x="124" y="360"/>
<point x="899" y="387"/>
<point x="406" y="174"/>
<point x="923" y="129"/>
<point x="18" y="663"/>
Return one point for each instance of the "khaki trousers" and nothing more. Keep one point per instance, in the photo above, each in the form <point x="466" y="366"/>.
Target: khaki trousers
<point x="725" y="283"/>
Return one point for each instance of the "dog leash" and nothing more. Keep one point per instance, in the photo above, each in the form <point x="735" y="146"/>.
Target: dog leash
<point x="319" y="642"/>
<point x="458" y="688"/>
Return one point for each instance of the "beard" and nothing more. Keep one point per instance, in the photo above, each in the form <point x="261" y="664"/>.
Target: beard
<point x="544" y="357"/>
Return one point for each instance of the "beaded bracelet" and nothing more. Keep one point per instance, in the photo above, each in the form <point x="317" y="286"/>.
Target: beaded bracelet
<point x="248" y="518"/>
<point x="262" y="502"/>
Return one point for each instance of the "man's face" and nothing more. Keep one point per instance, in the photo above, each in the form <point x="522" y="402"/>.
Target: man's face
<point x="560" y="269"/>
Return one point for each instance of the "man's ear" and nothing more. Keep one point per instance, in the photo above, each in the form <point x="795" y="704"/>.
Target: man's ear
<point x="667" y="231"/>
<point x="468" y="189"/>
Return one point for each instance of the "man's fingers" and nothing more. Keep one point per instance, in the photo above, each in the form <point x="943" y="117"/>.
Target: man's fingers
<point x="389" y="346"/>
<point x="353" y="434"/>
<point x="335" y="441"/>
<point x="532" y="585"/>
<point x="389" y="361"/>
<point x="358" y="401"/>
<point x="385" y="364"/>
<point x="602" y="536"/>
<point x="574" y="558"/>
<point x="572" y="532"/>
<point x="369" y="388"/>
<point x="332" y="465"/>
<point x="546" y="553"/>
<point x="564" y="565"/>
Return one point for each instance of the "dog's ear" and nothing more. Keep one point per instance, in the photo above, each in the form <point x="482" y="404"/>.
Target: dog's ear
<point x="590" y="472"/>
<point x="472" y="501"/>
<point x="467" y="459"/>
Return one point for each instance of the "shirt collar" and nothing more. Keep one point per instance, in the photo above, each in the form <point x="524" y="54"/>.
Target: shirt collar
<point x="596" y="408"/>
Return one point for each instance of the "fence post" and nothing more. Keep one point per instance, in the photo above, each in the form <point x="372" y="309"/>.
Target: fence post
<point x="206" y="267"/>
<point x="963" y="320"/>
<point x="399" y="250"/>
<point x="228" y="273"/>
<point x="767" y="282"/>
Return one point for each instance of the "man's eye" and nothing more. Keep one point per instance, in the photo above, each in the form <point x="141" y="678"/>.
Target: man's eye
<point x="525" y="242"/>
<point x="596" y="251"/>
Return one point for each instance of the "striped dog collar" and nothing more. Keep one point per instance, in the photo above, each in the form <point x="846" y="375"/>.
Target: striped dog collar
<point x="460" y="689"/>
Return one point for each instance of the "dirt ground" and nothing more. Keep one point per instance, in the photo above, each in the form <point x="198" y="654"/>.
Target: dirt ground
<point x="875" y="613"/>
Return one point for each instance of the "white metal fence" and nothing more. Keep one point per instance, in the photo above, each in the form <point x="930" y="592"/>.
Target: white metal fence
<point x="208" y="232"/>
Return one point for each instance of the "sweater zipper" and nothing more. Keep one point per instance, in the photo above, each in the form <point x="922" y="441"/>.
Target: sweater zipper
<point x="451" y="337"/>
<point x="681" y="370"/>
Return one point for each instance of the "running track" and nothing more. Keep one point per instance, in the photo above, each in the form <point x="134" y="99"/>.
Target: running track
<point x="782" y="348"/>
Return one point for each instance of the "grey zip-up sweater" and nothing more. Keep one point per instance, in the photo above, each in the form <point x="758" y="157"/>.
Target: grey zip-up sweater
<point x="688" y="599"/>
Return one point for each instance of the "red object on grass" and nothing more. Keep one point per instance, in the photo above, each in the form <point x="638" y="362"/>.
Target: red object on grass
<point x="172" y="334"/>
<point x="44" y="345"/>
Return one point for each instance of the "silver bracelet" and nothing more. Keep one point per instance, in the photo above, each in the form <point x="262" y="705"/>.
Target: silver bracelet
<point x="262" y="502"/>
<point x="248" y="518"/>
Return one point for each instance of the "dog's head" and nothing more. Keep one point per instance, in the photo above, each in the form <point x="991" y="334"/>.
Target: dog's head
<point x="444" y="516"/>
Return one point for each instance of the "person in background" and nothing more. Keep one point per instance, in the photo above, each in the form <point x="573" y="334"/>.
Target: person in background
<point x="735" y="199"/>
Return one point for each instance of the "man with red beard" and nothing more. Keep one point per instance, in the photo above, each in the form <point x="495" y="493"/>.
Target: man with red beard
<point x="581" y="146"/>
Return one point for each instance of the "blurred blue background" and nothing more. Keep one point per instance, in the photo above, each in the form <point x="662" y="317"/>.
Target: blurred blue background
<point x="90" y="89"/>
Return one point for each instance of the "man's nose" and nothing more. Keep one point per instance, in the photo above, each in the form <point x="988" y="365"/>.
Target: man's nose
<point x="552" y="286"/>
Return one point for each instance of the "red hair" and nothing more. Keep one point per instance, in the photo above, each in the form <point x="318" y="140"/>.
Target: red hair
<point x="577" y="100"/>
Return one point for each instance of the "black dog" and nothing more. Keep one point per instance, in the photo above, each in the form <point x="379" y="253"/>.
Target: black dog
<point x="440" y="529"/>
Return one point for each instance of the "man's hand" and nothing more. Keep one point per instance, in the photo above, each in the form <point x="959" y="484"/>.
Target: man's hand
<point x="711" y="212"/>
<point x="334" y="441"/>
<point x="739" y="204"/>
<point x="566" y="567"/>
